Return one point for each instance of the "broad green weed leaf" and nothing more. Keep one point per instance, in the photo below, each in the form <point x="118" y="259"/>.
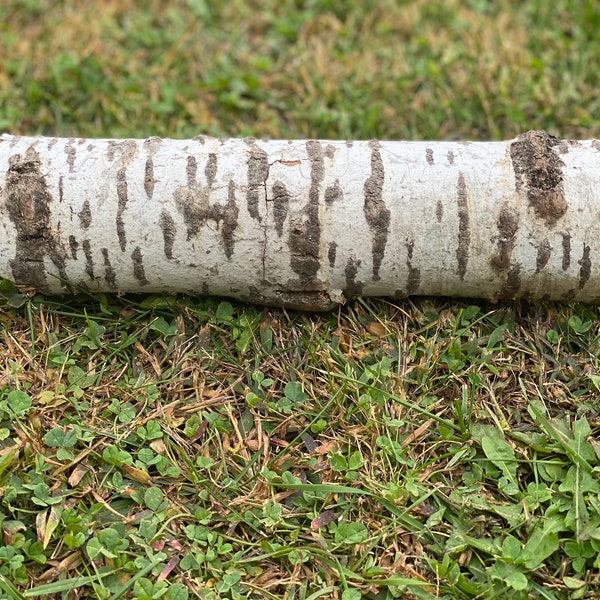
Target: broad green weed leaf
<point x="501" y="454"/>
<point x="509" y="574"/>
<point x="177" y="591"/>
<point x="496" y="336"/>
<point x="57" y="437"/>
<point x="19" y="402"/>
<point x="153" y="498"/>
<point x="542" y="543"/>
<point x="350" y="533"/>
<point x="293" y="390"/>
<point x="579" y="443"/>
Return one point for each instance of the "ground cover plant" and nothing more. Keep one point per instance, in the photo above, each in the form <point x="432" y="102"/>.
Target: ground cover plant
<point x="158" y="447"/>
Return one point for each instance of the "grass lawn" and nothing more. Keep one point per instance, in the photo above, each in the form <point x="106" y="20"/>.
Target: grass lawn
<point x="175" y="447"/>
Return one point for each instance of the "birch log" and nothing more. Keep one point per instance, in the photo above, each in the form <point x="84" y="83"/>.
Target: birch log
<point x="304" y="224"/>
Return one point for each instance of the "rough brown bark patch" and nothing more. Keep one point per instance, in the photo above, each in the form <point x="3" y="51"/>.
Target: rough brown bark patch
<point x="258" y="172"/>
<point x="331" y="254"/>
<point x="450" y="157"/>
<point x="89" y="259"/>
<point x="149" y="177"/>
<point x="109" y="273"/>
<point x="85" y="215"/>
<point x="210" y="170"/>
<point x="353" y="288"/>
<point x="464" y="231"/>
<point x="122" y="196"/>
<point x="70" y="152"/>
<point x="281" y="204"/>
<point x="585" y="269"/>
<point x="543" y="255"/>
<point x="512" y="285"/>
<point x="169" y="230"/>
<point x="413" y="280"/>
<point x="192" y="201"/>
<point x="138" y="266"/>
<point x="566" y="248"/>
<point x="317" y="301"/>
<point x="305" y="232"/>
<point x="429" y="156"/>
<point x="376" y="212"/>
<point x="508" y="224"/>
<point x="73" y="246"/>
<point x="334" y="193"/>
<point x="538" y="174"/>
<point x="230" y="219"/>
<point x="28" y="204"/>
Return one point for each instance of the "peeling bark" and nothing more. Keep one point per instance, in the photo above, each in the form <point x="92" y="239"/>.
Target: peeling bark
<point x="304" y="224"/>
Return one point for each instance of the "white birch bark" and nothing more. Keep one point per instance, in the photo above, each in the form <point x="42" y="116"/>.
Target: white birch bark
<point x="304" y="224"/>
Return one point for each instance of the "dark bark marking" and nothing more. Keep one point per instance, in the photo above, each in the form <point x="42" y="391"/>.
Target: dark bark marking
<point x="205" y="289"/>
<point x="450" y="157"/>
<point x="89" y="259"/>
<point x="70" y="152"/>
<point x="331" y="254"/>
<point x="85" y="215"/>
<point x="169" y="230"/>
<point x="28" y="204"/>
<point x="538" y="174"/>
<point x="281" y="204"/>
<point x="109" y="273"/>
<point x="191" y="171"/>
<point x="334" y="193"/>
<point x="512" y="285"/>
<point x="138" y="266"/>
<point x="193" y="203"/>
<point x="543" y="255"/>
<point x="305" y="232"/>
<point x="230" y="218"/>
<point x="74" y="246"/>
<point x="258" y="172"/>
<point x="127" y="149"/>
<point x="414" y="274"/>
<point x="210" y="170"/>
<point x="151" y="145"/>
<point x="596" y="145"/>
<point x="585" y="267"/>
<point x="349" y="143"/>
<point x="508" y="225"/>
<point x="149" y="177"/>
<point x="376" y="212"/>
<point x="464" y="230"/>
<point x="122" y="196"/>
<point x="314" y="301"/>
<point x="61" y="188"/>
<point x="353" y="288"/>
<point x="330" y="151"/>
<point x="566" y="248"/>
<point x="439" y="211"/>
<point x="429" y="156"/>
<point x="563" y="147"/>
